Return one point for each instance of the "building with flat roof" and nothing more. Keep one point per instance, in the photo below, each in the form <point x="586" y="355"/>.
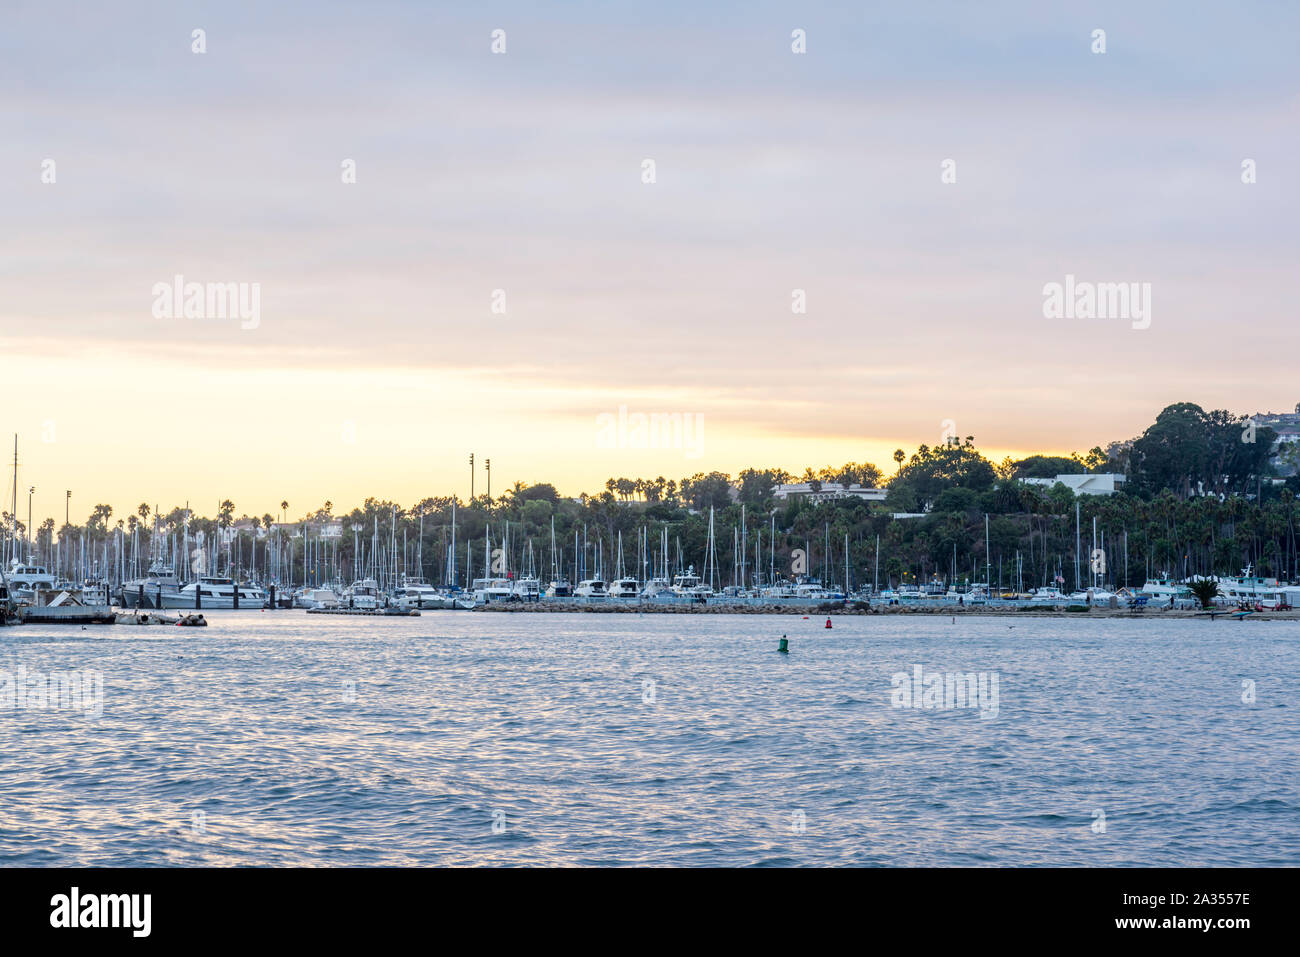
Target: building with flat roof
<point x="827" y="492"/>
<point x="1086" y="483"/>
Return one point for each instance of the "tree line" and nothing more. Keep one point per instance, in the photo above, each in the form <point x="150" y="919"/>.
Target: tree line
<point x="1201" y="497"/>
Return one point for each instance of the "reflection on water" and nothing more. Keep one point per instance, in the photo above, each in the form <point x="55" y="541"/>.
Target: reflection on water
<point x="472" y="738"/>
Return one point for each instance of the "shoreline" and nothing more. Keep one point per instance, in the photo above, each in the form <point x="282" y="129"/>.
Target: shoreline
<point x="837" y="611"/>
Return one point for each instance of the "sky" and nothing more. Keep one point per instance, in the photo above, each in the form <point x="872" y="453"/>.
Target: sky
<point x="501" y="279"/>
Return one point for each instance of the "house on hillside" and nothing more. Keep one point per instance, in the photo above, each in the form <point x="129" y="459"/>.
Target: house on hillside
<point x="826" y="492"/>
<point x="1085" y="483"/>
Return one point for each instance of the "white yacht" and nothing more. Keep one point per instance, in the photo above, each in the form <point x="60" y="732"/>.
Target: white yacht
<point x="94" y="591"/>
<point x="1098" y="597"/>
<point x="1248" y="589"/>
<point x="812" y="590"/>
<point x="908" y="593"/>
<point x="309" y="597"/>
<point x="418" y="594"/>
<point x="559" y="589"/>
<point x="1161" y="591"/>
<point x="624" y="588"/>
<point x="26" y="579"/>
<point x="527" y="588"/>
<point x="485" y="590"/>
<point x="147" y="592"/>
<point x="779" y="591"/>
<point x="976" y="594"/>
<point x="215" y="593"/>
<point x="1048" y="595"/>
<point x="934" y="588"/>
<point x="657" y="588"/>
<point x="591" y="588"/>
<point x="363" y="594"/>
<point x="687" y="584"/>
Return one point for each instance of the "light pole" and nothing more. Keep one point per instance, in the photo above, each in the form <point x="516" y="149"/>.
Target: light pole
<point x="471" y="477"/>
<point x="30" y="492"/>
<point x="488" y="462"/>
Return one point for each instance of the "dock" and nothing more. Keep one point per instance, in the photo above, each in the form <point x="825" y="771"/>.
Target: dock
<point x="381" y="612"/>
<point x="67" y="615"/>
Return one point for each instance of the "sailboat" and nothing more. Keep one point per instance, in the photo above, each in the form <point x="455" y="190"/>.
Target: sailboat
<point x="526" y="586"/>
<point x="658" y="586"/>
<point x="623" y="586"/>
<point x="559" y="587"/>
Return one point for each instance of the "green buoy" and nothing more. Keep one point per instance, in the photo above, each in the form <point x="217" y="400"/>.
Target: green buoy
<point x="784" y="647"/>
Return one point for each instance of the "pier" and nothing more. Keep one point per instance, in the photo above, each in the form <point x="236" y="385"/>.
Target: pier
<point x="372" y="612"/>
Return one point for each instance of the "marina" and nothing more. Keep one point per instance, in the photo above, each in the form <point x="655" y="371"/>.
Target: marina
<point x="619" y="436"/>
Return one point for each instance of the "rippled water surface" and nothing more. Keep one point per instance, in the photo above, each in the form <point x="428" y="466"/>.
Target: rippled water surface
<point x="654" y="739"/>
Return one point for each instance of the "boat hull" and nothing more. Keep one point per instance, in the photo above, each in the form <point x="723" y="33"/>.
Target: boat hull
<point x="179" y="601"/>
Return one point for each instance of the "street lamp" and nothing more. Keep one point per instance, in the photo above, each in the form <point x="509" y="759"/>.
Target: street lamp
<point x="488" y="463"/>
<point x="471" y="476"/>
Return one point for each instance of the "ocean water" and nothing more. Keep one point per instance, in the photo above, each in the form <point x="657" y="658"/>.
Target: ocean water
<point x="281" y="738"/>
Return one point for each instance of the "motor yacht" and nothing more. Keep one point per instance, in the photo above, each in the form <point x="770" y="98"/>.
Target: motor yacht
<point x="211" y="592"/>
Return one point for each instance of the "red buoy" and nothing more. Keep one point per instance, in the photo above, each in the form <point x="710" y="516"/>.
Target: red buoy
<point x="828" y="622"/>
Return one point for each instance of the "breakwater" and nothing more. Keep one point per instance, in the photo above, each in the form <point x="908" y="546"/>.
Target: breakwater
<point x="835" y="610"/>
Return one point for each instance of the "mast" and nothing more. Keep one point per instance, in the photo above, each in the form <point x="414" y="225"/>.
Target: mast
<point x="826" y="556"/>
<point x="744" y="542"/>
<point x="13" y="510"/>
<point x="988" y="564"/>
<point x="1078" y="582"/>
<point x="711" y="551"/>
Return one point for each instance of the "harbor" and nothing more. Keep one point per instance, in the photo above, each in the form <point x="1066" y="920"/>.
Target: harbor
<point x="950" y="533"/>
<point x="614" y="437"/>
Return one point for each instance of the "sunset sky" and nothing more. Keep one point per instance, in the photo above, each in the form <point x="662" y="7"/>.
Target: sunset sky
<point x="378" y="366"/>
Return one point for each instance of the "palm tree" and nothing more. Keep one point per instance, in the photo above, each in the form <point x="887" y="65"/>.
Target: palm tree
<point x="899" y="455"/>
<point x="284" y="511"/>
<point x="1205" y="590"/>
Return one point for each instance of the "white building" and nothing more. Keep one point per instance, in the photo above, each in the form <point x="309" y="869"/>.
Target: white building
<point x="227" y="535"/>
<point x="315" y="529"/>
<point x="827" y="492"/>
<point x="1087" y="483"/>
